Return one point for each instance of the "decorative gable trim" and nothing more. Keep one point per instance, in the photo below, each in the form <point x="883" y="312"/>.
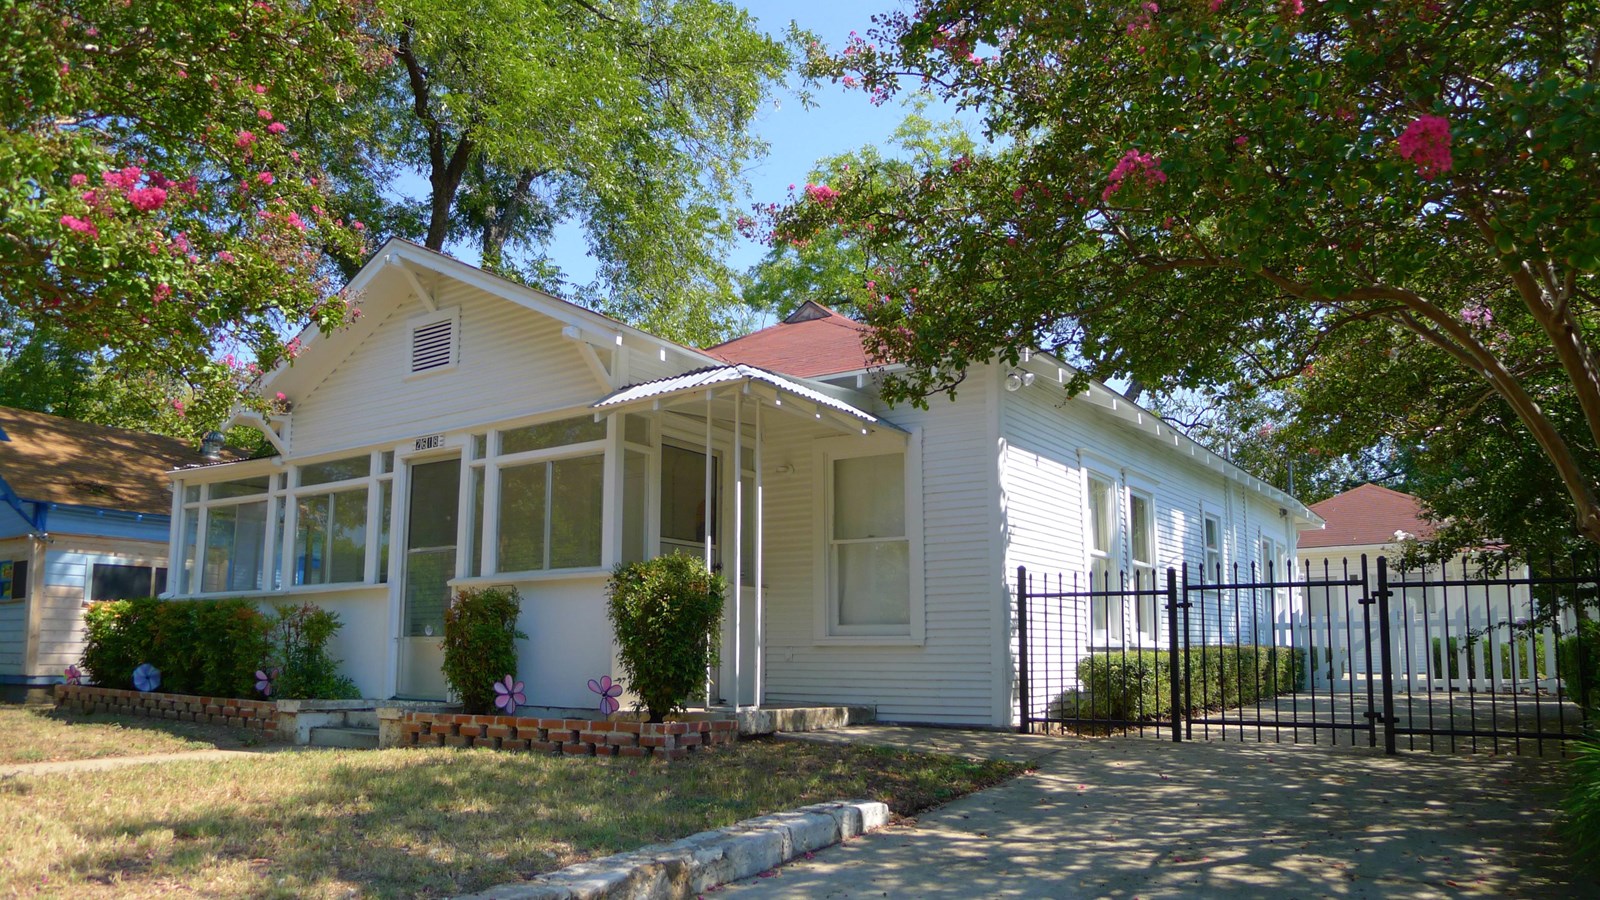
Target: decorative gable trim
<point x="434" y="342"/>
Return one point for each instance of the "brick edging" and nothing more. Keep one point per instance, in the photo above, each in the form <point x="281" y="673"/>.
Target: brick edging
<point x="573" y="737"/>
<point x="254" y="715"/>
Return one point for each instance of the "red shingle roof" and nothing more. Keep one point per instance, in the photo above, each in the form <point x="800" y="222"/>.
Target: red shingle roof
<point x="55" y="460"/>
<point x="813" y="341"/>
<point x="1369" y="514"/>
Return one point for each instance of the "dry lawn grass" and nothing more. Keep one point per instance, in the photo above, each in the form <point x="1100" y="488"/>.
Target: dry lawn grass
<point x="32" y="734"/>
<point x="404" y="823"/>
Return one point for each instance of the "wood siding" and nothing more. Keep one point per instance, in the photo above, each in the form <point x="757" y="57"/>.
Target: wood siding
<point x="513" y="361"/>
<point x="949" y="678"/>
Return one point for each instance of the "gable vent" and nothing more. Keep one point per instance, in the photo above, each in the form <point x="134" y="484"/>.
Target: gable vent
<point x="433" y="341"/>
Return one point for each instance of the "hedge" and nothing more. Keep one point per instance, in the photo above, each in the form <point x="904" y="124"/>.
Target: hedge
<point x="1578" y="664"/>
<point x="210" y="647"/>
<point x="1137" y="685"/>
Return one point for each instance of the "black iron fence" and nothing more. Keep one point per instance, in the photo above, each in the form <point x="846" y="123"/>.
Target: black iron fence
<point x="1354" y="653"/>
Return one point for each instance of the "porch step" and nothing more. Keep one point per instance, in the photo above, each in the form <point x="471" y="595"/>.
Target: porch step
<point x="352" y="738"/>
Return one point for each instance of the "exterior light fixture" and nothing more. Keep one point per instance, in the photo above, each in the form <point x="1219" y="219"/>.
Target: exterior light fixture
<point x="1017" y="380"/>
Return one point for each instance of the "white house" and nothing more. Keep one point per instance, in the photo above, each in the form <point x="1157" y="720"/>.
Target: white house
<point x="470" y="431"/>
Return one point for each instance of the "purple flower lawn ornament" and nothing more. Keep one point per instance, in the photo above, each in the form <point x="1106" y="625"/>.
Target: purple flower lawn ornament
<point x="508" y="695"/>
<point x="264" y="678"/>
<point x="609" y="691"/>
<point x="74" y="676"/>
<point x="147" y="677"/>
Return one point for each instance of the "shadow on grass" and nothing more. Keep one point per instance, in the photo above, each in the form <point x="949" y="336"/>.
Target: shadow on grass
<point x="438" y="822"/>
<point x="218" y="736"/>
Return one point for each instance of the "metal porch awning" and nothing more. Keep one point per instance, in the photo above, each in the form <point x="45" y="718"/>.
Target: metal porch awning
<point x="819" y="404"/>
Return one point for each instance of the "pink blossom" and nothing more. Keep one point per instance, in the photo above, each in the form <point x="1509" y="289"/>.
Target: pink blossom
<point x="1294" y="7"/>
<point x="177" y="406"/>
<point x="848" y="81"/>
<point x="1018" y="194"/>
<point x="245" y="139"/>
<point x="124" y="179"/>
<point x="78" y="180"/>
<point x="183" y="73"/>
<point x="224" y="256"/>
<point x="292" y="349"/>
<point x="265" y="178"/>
<point x="357" y="225"/>
<point x="81" y="226"/>
<point x="162" y="292"/>
<point x="147" y="199"/>
<point x="280" y="397"/>
<point x="277" y="128"/>
<point x="259" y="88"/>
<point x="190" y="186"/>
<point x="293" y="218"/>
<point x="822" y="194"/>
<point x="180" y="242"/>
<point x="1143" y="166"/>
<point x="264" y="114"/>
<point x="91" y="197"/>
<point x="1241" y="141"/>
<point x="92" y="31"/>
<point x="1426" y="142"/>
<point x="1216" y="5"/>
<point x="1478" y="316"/>
<point x="295" y="155"/>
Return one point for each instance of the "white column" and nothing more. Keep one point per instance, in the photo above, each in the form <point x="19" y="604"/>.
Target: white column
<point x="707" y="518"/>
<point x="761" y="585"/>
<point x="738" y="540"/>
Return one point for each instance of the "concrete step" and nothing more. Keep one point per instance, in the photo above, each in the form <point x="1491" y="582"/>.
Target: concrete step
<point x="353" y="738"/>
<point x="361" y="718"/>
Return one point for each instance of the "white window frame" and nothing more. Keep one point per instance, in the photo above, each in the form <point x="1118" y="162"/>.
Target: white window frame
<point x="451" y="315"/>
<point x="1146" y="611"/>
<point x="825" y="452"/>
<point x="184" y="582"/>
<point x="1100" y="633"/>
<point x="494" y="462"/>
<point x="375" y="482"/>
<point x="1210" y="573"/>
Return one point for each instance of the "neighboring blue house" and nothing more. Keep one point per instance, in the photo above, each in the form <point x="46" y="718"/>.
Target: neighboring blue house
<point x="84" y="516"/>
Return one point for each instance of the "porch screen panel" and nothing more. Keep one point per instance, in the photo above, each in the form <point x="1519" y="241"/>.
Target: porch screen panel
<point x="576" y="506"/>
<point x="871" y="553"/>
<point x="522" y="509"/>
<point x="635" y="498"/>
<point x="431" y="545"/>
<point x="234" y="543"/>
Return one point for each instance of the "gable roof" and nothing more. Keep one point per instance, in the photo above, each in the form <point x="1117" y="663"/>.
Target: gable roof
<point x="811" y="342"/>
<point x="1369" y="514"/>
<point x="49" y="459"/>
<point x="321" y="352"/>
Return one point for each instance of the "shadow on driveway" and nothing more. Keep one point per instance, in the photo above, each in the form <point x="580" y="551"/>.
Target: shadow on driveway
<point x="1139" y="818"/>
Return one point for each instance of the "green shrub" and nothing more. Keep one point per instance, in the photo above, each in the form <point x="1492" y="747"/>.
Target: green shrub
<point x="1577" y="659"/>
<point x="1581" y="820"/>
<point x="480" y="644"/>
<point x="299" y="650"/>
<point x="1137" y="685"/>
<point x="208" y="647"/>
<point x="667" y="613"/>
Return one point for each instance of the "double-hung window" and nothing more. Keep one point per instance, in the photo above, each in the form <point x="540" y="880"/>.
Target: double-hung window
<point x="1142" y="558"/>
<point x="1212" y="549"/>
<point x="869" y="560"/>
<point x="1105" y="610"/>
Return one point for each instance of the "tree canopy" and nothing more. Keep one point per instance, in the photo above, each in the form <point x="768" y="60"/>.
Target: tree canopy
<point x="1213" y="191"/>
<point x="153" y="204"/>
<point x="631" y="119"/>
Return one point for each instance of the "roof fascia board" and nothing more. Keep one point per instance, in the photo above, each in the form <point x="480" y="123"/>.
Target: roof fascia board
<point x="1109" y="401"/>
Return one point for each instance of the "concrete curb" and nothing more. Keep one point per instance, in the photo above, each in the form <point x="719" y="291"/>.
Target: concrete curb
<point x="686" y="867"/>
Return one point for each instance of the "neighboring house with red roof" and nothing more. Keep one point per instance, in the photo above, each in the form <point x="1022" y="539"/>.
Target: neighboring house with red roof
<point x="468" y="431"/>
<point x="1369" y="519"/>
<point x="84" y="515"/>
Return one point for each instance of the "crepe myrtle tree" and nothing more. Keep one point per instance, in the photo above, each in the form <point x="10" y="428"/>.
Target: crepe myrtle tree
<point x="1192" y="192"/>
<point x="154" y="208"/>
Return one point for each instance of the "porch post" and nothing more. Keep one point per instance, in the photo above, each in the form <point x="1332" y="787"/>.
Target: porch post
<point x="707" y="518"/>
<point x="738" y="538"/>
<point x="761" y="593"/>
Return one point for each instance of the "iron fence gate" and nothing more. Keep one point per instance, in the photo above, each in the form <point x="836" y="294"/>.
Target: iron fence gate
<point x="1438" y="659"/>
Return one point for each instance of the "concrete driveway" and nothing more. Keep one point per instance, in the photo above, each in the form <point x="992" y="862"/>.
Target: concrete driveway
<point x="1141" y="818"/>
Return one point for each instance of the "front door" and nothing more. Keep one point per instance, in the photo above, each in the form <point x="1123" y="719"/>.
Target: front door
<point x="430" y="563"/>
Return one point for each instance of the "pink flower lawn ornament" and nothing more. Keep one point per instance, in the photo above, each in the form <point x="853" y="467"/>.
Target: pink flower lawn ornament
<point x="74" y="676"/>
<point x="508" y="695"/>
<point x="608" y="691"/>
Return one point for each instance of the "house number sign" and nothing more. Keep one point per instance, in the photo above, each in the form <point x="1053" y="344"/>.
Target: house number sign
<point x="431" y="442"/>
